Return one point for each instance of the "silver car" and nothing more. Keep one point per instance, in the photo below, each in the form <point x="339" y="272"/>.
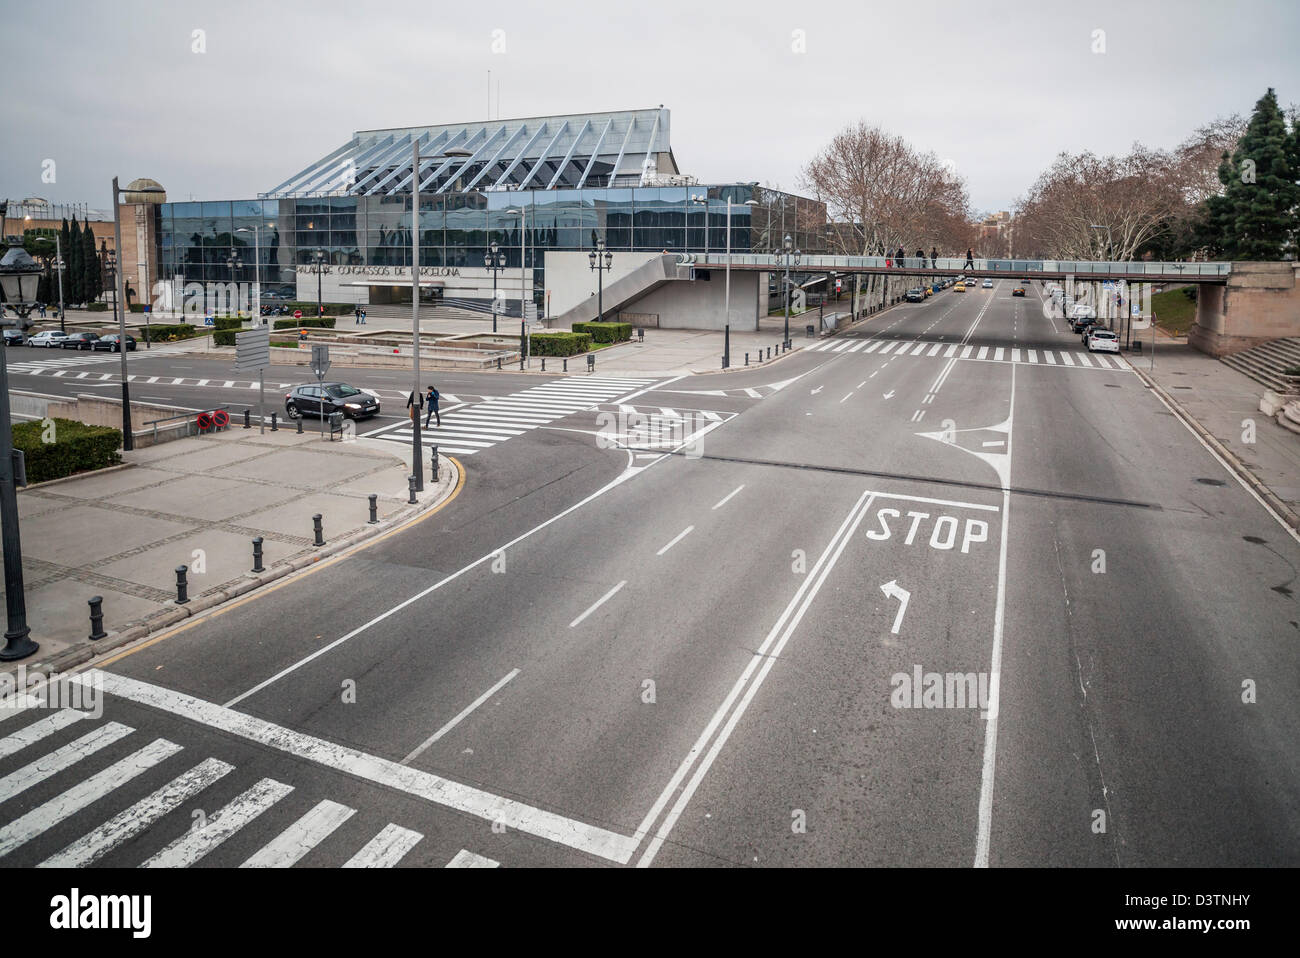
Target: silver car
<point x="47" y="338"/>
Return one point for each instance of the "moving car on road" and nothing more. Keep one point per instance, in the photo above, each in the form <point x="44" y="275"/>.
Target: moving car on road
<point x="1101" y="340"/>
<point x="321" y="399"/>
<point x="112" y="342"/>
<point x="47" y="338"/>
<point x="960" y="288"/>
<point x="1018" y="291"/>
<point x="13" y="337"/>
<point x="915" y="295"/>
<point x="988" y="284"/>
<point x="79" y="341"/>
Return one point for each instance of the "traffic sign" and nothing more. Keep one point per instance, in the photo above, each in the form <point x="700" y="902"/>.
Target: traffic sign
<point x="253" y="348"/>
<point x="297" y="314"/>
<point x="320" y="359"/>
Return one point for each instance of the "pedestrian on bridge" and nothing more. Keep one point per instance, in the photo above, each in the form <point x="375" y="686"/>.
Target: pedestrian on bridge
<point x="899" y="257"/>
<point x="934" y="258"/>
<point x="970" y="259"/>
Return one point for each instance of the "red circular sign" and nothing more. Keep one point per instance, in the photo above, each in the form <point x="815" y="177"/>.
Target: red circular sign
<point x="205" y="421"/>
<point x="297" y="314"/>
<point x="221" y="418"/>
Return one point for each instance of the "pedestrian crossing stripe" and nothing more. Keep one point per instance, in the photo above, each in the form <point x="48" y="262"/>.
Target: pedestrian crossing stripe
<point x="989" y="354"/>
<point x="482" y="425"/>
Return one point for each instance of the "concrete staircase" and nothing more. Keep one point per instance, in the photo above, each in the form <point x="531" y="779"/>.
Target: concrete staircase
<point x="627" y="289"/>
<point x="1264" y="363"/>
<point x="403" y="311"/>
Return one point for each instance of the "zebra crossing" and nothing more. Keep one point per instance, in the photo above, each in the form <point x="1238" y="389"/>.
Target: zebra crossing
<point x="474" y="427"/>
<point x="1036" y="356"/>
<point x="68" y="765"/>
<point x="60" y="361"/>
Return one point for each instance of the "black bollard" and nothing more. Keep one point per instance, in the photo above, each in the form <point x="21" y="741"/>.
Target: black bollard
<point x="746" y="359"/>
<point x="182" y="587"/>
<point x="247" y="424"/>
<point x="97" y="618"/>
<point x="566" y="364"/>
<point x="521" y="364"/>
<point x="257" y="555"/>
<point x="543" y="364"/>
<point x="433" y="463"/>
<point x="374" y="508"/>
<point x="498" y="362"/>
<point x="300" y="425"/>
<point x="274" y="427"/>
<point x="316" y="527"/>
<point x="410" y="482"/>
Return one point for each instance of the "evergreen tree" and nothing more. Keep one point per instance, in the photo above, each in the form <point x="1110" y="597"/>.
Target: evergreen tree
<point x="74" y="254"/>
<point x="65" y="243"/>
<point x="1255" y="218"/>
<point x="93" y="283"/>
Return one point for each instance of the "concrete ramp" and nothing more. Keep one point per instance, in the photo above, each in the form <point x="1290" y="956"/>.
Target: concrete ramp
<point x="628" y="289"/>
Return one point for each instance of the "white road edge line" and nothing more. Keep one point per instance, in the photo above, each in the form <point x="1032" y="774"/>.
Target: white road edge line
<point x="415" y="752"/>
<point x="678" y="538"/>
<point x="598" y="603"/>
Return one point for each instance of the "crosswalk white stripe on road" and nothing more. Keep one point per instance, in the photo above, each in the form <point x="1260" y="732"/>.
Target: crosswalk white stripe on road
<point x="386" y="849"/>
<point x="1083" y="359"/>
<point x="858" y="345"/>
<point x="1047" y="357"/>
<point x="935" y="349"/>
<point x="983" y="353"/>
<point x="1032" y="355"/>
<point x="292" y="844"/>
<point x="195" y="844"/>
<point x="134" y="820"/>
<point x="17" y="782"/>
<point x="1066" y="359"/>
<point x="1015" y="355"/>
<point x="951" y="350"/>
<point x="38" y="730"/>
<point x="842" y="346"/>
<point x="467" y="859"/>
<point x="966" y="351"/>
<point x="997" y="354"/>
<point x="57" y="809"/>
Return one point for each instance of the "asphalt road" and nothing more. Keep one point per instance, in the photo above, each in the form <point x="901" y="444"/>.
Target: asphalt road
<point x="600" y="653"/>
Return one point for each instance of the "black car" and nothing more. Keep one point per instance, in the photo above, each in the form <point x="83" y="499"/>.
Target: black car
<point x="14" y="337"/>
<point x="80" y="341"/>
<point x="319" y="400"/>
<point x="112" y="342"/>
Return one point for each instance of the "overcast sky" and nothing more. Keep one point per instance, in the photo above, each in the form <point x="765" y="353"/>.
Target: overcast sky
<point x="105" y="88"/>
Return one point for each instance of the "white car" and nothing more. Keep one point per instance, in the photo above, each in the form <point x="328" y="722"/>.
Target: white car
<point x="1082" y="311"/>
<point x="47" y="338"/>
<point x="988" y="284"/>
<point x="1101" y="341"/>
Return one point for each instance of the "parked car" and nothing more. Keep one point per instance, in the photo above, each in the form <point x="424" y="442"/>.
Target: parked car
<point x="1080" y="324"/>
<point x="112" y="342"/>
<point x="915" y="295"/>
<point x="79" y="341"/>
<point x="988" y="284"/>
<point x="1100" y="339"/>
<point x="47" y="338"/>
<point x="319" y="400"/>
<point x="14" y="337"/>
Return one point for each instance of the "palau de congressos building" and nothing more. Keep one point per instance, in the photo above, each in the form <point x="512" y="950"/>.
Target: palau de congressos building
<point x="543" y="189"/>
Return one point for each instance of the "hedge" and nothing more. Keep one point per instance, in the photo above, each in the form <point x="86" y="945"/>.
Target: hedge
<point x="97" y="307"/>
<point x="605" y="332"/>
<point x="76" y="447"/>
<point x="560" y="344"/>
<point x="331" y="309"/>
<point x="170" y="333"/>
<point x="224" y="337"/>
<point x="229" y="322"/>
<point x="137" y="307"/>
<point x="325" y="323"/>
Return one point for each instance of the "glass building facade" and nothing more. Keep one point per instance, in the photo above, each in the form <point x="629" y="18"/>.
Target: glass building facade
<point x="575" y="178"/>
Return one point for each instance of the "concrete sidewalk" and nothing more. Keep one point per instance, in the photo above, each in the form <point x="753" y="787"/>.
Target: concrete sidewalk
<point x="1221" y="400"/>
<point x="120" y="533"/>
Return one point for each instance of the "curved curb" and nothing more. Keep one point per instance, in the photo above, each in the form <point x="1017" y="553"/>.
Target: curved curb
<point x="169" y="616"/>
<point x="1281" y="511"/>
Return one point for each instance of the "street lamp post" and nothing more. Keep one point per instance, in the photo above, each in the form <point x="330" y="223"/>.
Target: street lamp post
<point x="140" y="192"/>
<point x="702" y="200"/>
<point x="726" y="346"/>
<point x="417" y="458"/>
<point x="319" y="259"/>
<point x="523" y="256"/>
<point x="495" y="260"/>
<point x="785" y="256"/>
<point x="601" y="260"/>
<point x="59" y="267"/>
<point x="234" y="262"/>
<point x="256" y="230"/>
<point x="19" y="276"/>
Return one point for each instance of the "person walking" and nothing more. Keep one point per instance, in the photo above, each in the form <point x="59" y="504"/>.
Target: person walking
<point x="970" y="259"/>
<point x="431" y="404"/>
<point x="363" y="315"/>
<point x="414" y="403"/>
<point x="900" y="256"/>
<point x="934" y="257"/>
<point x="356" y="315"/>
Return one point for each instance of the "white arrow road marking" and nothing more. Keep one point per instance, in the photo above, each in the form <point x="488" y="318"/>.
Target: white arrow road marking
<point x="814" y="392"/>
<point x="890" y="394"/>
<point x="896" y="591"/>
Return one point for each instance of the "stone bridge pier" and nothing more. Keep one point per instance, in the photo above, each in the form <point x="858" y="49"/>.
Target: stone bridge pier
<point x="1259" y="302"/>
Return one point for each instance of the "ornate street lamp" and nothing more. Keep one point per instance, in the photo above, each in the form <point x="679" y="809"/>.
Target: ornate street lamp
<point x="495" y="260"/>
<point x="786" y="255"/>
<point x="601" y="260"/>
<point x="19" y="278"/>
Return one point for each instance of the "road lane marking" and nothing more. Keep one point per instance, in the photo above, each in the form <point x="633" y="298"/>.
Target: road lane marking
<point x="761" y="662"/>
<point x="293" y="844"/>
<point x="223" y="823"/>
<point x="1066" y="358"/>
<point x="875" y="344"/>
<point x="858" y="345"/>
<point x="723" y="501"/>
<point x="678" y="538"/>
<point x="463" y="714"/>
<point x="935" y="349"/>
<point x="371" y="768"/>
<point x="982" y="835"/>
<point x="386" y="849"/>
<point x="61" y="807"/>
<point x="465" y="859"/>
<point x="134" y="820"/>
<point x="599" y="602"/>
<point x="849" y="396"/>
<point x="888" y="346"/>
<point x="983" y="353"/>
<point x="753" y="393"/>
